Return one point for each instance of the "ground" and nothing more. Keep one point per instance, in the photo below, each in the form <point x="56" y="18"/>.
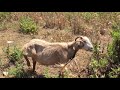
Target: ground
<point x="82" y="58"/>
<point x="82" y="25"/>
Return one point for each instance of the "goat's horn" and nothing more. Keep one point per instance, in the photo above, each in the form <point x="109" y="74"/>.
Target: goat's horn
<point x="78" y="37"/>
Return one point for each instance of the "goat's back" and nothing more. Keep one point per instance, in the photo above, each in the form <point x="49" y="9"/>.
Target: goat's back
<point x="53" y="54"/>
<point x="34" y="46"/>
<point x="45" y="52"/>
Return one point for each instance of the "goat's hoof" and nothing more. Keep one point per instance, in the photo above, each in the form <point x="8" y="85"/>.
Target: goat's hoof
<point x="61" y="75"/>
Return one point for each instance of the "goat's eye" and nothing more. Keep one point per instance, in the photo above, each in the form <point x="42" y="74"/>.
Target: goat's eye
<point x="84" y="41"/>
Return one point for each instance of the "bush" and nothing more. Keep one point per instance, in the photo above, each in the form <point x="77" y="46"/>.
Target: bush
<point x="114" y="47"/>
<point x="28" y="26"/>
<point x="109" y="67"/>
<point x="97" y="68"/>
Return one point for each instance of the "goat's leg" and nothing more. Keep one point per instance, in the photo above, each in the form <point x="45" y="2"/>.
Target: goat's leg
<point x="61" y="73"/>
<point x="34" y="64"/>
<point x="28" y="62"/>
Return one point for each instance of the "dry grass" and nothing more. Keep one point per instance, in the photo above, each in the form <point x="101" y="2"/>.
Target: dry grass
<point x="59" y="27"/>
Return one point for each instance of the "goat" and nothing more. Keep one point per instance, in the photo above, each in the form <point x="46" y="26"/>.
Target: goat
<point x="47" y="53"/>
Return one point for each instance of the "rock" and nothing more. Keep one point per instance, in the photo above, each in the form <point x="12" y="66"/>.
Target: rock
<point x="10" y="42"/>
<point x="5" y="73"/>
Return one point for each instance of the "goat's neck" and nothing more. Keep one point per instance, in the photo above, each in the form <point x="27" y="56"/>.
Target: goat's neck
<point x="72" y="50"/>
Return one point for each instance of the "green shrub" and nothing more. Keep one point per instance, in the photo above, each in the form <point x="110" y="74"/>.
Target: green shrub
<point x="97" y="68"/>
<point x="28" y="26"/>
<point x="109" y="67"/>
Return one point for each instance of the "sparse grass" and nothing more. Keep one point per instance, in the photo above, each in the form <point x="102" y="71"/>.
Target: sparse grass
<point x="16" y="71"/>
<point x="47" y="74"/>
<point x="98" y="64"/>
<point x="13" y="53"/>
<point x="1" y="62"/>
<point x="114" y="73"/>
<point x="2" y="26"/>
<point x="16" y="55"/>
<point x="64" y="26"/>
<point x="4" y="16"/>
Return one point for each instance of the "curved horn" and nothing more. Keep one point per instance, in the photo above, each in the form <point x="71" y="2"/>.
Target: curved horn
<point x="78" y="37"/>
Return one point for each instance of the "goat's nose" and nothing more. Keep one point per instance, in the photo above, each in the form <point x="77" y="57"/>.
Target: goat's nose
<point x="91" y="48"/>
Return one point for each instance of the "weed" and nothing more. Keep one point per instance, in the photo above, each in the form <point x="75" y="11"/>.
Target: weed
<point x="2" y="26"/>
<point x="13" y="53"/>
<point x="115" y="73"/>
<point x="16" y="55"/>
<point x="46" y="73"/>
<point x="114" y="48"/>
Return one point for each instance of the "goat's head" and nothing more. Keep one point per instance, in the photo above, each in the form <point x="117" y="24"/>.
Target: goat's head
<point x="84" y="43"/>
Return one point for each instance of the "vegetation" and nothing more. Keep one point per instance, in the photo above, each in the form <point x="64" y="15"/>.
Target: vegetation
<point x="28" y="26"/>
<point x="110" y="65"/>
<point x="102" y="27"/>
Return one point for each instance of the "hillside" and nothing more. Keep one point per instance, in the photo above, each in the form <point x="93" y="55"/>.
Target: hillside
<point x="21" y="27"/>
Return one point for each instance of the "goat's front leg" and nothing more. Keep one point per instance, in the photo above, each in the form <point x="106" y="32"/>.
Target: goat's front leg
<point x="28" y="62"/>
<point x="34" y="64"/>
<point x="61" y="72"/>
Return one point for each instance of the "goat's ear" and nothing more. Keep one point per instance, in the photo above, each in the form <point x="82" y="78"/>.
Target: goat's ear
<point x="82" y="43"/>
<point x="81" y="37"/>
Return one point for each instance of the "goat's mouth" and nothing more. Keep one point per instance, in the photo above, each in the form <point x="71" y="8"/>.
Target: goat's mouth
<point x="91" y="50"/>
